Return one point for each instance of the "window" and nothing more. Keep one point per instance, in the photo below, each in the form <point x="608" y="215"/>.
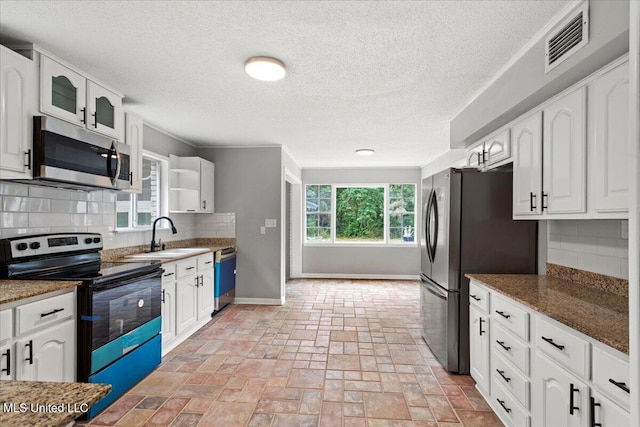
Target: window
<point x="402" y="214"/>
<point x="139" y="210"/>
<point x="382" y="214"/>
<point x="319" y="212"/>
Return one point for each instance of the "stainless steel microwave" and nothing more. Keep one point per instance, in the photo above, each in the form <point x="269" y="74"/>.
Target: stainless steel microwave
<point x="65" y="155"/>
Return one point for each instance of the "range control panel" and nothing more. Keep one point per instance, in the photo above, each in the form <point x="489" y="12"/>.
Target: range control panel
<point x="45" y="244"/>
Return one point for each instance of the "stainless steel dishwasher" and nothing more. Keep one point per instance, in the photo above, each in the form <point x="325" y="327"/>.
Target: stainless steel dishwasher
<point x="224" y="290"/>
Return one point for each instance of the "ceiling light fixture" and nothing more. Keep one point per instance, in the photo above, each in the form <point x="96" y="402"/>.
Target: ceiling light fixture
<point x="265" y="68"/>
<point x="365" y="151"/>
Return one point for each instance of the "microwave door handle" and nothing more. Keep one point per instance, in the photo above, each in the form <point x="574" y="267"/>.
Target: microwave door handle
<point x="114" y="178"/>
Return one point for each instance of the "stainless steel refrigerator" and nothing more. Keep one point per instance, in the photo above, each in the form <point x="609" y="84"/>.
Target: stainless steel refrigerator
<point x="467" y="229"/>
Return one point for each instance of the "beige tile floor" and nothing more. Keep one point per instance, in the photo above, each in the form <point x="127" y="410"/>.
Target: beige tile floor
<point x="338" y="353"/>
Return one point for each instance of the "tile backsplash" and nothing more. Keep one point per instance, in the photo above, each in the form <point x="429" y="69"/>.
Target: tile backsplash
<point x="31" y="209"/>
<point x="599" y="246"/>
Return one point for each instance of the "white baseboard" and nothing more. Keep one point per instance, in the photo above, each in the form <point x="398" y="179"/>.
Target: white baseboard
<point x="360" y="276"/>
<point x="258" y="301"/>
<point x="179" y="339"/>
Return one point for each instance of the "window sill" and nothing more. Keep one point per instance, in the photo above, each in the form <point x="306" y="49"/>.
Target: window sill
<point x="361" y="245"/>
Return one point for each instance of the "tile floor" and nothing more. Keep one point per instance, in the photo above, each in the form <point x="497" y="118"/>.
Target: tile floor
<point x="338" y="353"/>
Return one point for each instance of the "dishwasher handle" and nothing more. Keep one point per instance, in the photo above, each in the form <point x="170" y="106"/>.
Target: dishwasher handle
<point x="220" y="257"/>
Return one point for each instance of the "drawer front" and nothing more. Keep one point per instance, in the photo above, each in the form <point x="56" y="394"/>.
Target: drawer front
<point x="511" y="348"/>
<point x="185" y="268"/>
<point x="563" y="346"/>
<point x="478" y="297"/>
<point x="6" y="324"/>
<point x="169" y="274"/>
<point x="511" y="379"/>
<point x="507" y="407"/>
<point x="44" y="312"/>
<point x="205" y="261"/>
<point x="510" y="315"/>
<point x="607" y="370"/>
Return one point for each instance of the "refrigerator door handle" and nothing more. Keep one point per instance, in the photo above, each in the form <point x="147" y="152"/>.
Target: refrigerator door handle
<point x="427" y="227"/>
<point x="434" y="290"/>
<point x="433" y="241"/>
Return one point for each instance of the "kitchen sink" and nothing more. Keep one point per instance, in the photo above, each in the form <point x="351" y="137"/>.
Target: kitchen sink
<point x="168" y="253"/>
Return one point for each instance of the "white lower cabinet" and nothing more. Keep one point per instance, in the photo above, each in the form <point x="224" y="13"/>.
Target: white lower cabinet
<point x="168" y="303"/>
<point x="187" y="298"/>
<point x="38" y="339"/>
<point x="556" y="378"/>
<point x="479" y="347"/>
<point x="48" y="355"/>
<point x="186" y="303"/>
<point x="605" y="413"/>
<point x="560" y="398"/>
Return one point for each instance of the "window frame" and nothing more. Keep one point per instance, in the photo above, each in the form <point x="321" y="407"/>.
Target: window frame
<point x="382" y="243"/>
<point x="164" y="193"/>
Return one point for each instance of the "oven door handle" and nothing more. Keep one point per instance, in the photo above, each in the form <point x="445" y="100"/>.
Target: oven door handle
<point x="116" y="283"/>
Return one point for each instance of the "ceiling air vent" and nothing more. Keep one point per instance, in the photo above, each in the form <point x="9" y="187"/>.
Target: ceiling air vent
<point x="567" y="37"/>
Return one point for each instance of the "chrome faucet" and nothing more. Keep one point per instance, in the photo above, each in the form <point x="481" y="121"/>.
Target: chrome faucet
<point x="155" y="245"/>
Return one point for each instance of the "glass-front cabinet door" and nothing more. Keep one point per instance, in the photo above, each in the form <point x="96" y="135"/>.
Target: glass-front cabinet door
<point x="104" y="111"/>
<point x="63" y="92"/>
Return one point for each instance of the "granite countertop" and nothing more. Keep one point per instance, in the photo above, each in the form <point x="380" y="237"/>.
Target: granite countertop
<point x="14" y="290"/>
<point x="47" y="404"/>
<point x="211" y="244"/>
<point x="600" y="314"/>
<point x="163" y="259"/>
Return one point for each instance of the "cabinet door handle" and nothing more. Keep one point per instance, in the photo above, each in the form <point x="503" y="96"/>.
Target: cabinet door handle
<point x="168" y="274"/>
<point x="550" y="341"/>
<point x="479" y="161"/>
<point x="572" y="408"/>
<point x="502" y="313"/>
<point x="28" y="156"/>
<point x="197" y="281"/>
<point x="621" y="385"/>
<point x="163" y="296"/>
<point x="484" y="157"/>
<point x="204" y="204"/>
<point x="209" y="262"/>
<point x="95" y="119"/>
<point x="189" y="268"/>
<point x="593" y="422"/>
<point x="30" y="358"/>
<point x="501" y="402"/>
<point x="131" y="178"/>
<point x="480" y="323"/>
<point x="501" y="343"/>
<point x="8" y="368"/>
<point x="202" y="280"/>
<point x="57" y="310"/>
<point x="502" y="375"/>
<point x="84" y="116"/>
<point x="544" y="196"/>
<point x="532" y="197"/>
<point x="475" y="297"/>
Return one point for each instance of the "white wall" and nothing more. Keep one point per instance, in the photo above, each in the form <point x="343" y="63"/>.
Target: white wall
<point x="452" y="158"/>
<point x="359" y="261"/>
<point x="599" y="246"/>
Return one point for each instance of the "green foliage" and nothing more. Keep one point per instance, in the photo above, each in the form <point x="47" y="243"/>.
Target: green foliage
<point x="360" y="213"/>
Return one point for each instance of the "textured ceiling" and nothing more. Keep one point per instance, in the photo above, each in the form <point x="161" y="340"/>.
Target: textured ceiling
<point x="384" y="75"/>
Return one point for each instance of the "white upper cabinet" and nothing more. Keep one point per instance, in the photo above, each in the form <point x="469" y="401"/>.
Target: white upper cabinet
<point x="15" y="121"/>
<point x="104" y="110"/>
<point x="497" y="148"/>
<point x="493" y="151"/>
<point x="70" y="96"/>
<point x="191" y="184"/>
<point x="527" y="165"/>
<point x="609" y="140"/>
<point x="133" y="138"/>
<point x="564" y="153"/>
<point x="63" y="92"/>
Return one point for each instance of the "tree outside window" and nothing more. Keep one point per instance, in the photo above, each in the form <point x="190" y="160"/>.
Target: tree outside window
<point x="318" y="213"/>
<point x="402" y="212"/>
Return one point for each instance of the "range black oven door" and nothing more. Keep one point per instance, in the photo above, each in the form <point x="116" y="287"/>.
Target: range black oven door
<point x="68" y="154"/>
<point x="116" y="317"/>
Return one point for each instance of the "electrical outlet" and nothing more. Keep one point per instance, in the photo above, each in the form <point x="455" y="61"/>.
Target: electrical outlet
<point x="263" y="230"/>
<point x="270" y="223"/>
